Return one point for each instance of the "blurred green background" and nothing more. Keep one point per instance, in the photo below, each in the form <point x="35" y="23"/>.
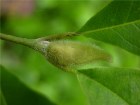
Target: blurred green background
<point x="37" y="18"/>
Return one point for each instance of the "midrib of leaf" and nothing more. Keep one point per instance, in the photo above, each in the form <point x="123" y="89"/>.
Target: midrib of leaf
<point x="107" y="89"/>
<point x="106" y="28"/>
<point x="116" y="26"/>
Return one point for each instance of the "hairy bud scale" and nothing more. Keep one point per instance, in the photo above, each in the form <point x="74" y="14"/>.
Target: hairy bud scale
<point x="70" y="54"/>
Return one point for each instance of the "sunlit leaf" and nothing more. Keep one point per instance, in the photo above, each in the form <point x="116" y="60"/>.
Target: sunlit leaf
<point x="117" y="24"/>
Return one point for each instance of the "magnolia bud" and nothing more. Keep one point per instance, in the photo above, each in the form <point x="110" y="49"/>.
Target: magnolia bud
<point x="70" y="54"/>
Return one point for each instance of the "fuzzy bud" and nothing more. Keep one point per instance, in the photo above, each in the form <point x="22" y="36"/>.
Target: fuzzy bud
<point x="70" y="54"/>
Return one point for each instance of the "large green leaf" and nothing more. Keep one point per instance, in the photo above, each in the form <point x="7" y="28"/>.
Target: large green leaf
<point x="117" y="24"/>
<point x="111" y="86"/>
<point x="16" y="93"/>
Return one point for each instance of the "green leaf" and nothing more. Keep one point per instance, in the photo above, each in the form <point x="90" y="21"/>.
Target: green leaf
<point x="111" y="86"/>
<point x="117" y="24"/>
<point x="16" y="93"/>
<point x="2" y="99"/>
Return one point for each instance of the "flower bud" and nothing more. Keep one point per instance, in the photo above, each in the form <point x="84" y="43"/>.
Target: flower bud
<point x="70" y="54"/>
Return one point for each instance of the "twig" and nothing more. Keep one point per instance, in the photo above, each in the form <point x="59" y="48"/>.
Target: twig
<point x="59" y="36"/>
<point x="18" y="40"/>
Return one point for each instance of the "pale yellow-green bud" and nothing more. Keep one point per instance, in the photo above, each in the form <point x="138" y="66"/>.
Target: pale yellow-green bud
<point x="70" y="54"/>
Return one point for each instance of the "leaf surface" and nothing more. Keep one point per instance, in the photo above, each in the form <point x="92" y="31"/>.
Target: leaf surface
<point x="17" y="93"/>
<point x="117" y="24"/>
<point x="111" y="86"/>
<point x="2" y="99"/>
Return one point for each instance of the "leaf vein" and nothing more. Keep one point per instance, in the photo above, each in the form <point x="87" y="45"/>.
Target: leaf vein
<point x="136" y="26"/>
<point x="101" y="29"/>
<point x="129" y="10"/>
<point x="128" y="42"/>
